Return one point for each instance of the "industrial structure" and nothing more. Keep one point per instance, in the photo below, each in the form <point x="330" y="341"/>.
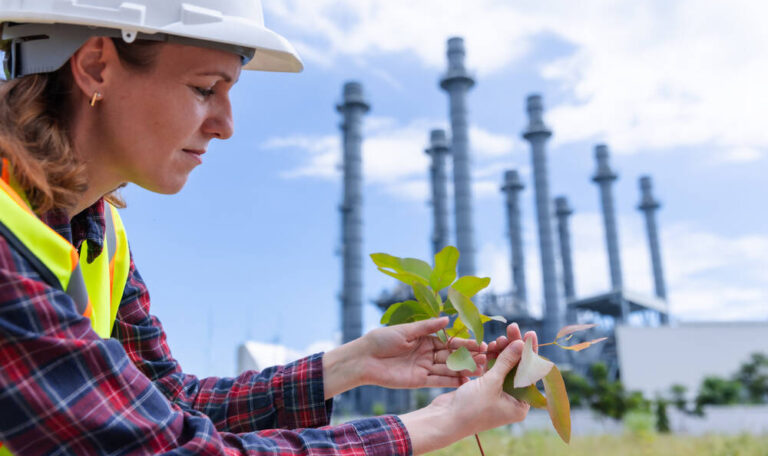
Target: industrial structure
<point x="561" y="304"/>
<point x="352" y="108"/>
<point x="457" y="81"/>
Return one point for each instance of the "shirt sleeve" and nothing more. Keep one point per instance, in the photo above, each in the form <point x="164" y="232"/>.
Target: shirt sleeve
<point x="290" y="396"/>
<point x="64" y="390"/>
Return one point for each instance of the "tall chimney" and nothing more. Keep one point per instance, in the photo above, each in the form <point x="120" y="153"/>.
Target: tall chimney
<point x="352" y="108"/>
<point x="537" y="133"/>
<point x="604" y="177"/>
<point x="648" y="206"/>
<point x="512" y="188"/>
<point x="457" y="81"/>
<point x="563" y="212"/>
<point x="438" y="150"/>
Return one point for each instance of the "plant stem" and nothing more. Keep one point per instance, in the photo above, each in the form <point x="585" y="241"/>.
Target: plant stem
<point x="479" y="445"/>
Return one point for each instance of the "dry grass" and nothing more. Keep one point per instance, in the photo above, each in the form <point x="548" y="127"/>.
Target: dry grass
<point x="497" y="443"/>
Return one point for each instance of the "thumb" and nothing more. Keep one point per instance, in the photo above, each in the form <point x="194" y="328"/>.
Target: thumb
<point x="507" y="360"/>
<point x="424" y="327"/>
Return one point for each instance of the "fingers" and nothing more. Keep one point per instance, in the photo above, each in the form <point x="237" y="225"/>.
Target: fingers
<point x="443" y="371"/>
<point x="534" y="340"/>
<point x="424" y="327"/>
<point x="507" y="360"/>
<point x="513" y="332"/>
<point x="456" y="342"/>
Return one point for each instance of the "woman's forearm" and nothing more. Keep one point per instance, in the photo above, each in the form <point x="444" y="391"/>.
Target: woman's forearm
<point x="342" y="368"/>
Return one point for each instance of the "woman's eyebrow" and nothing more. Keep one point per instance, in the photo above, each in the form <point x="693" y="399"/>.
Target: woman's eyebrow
<point x="227" y="78"/>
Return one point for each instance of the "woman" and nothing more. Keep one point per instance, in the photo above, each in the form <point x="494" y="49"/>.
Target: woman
<point x="99" y="96"/>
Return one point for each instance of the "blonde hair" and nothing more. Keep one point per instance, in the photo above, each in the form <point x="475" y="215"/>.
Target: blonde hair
<point x="34" y="135"/>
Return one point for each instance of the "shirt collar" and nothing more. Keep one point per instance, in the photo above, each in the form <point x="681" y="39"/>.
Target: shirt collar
<point x="88" y="225"/>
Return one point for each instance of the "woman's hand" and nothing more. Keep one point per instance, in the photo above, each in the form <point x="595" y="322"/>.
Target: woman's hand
<point x="400" y="356"/>
<point x="476" y="406"/>
<point x="409" y="356"/>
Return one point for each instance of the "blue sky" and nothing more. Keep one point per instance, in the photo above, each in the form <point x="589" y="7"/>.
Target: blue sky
<point x="677" y="90"/>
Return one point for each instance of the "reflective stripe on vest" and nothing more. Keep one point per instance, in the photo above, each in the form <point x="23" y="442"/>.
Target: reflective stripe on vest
<point x="96" y="288"/>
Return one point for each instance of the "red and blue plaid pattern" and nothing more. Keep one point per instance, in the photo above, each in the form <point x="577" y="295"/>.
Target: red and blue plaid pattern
<point x="64" y="390"/>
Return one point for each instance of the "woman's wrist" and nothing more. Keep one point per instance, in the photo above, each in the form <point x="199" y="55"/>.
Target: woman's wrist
<point x="342" y="368"/>
<point x="431" y="428"/>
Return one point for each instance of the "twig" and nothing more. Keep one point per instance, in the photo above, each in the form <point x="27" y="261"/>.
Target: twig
<point x="479" y="445"/>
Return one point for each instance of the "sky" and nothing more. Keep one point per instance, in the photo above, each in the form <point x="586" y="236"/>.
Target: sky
<point x="247" y="250"/>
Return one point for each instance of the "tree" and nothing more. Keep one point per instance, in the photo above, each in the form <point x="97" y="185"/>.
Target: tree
<point x="717" y="391"/>
<point x="753" y="376"/>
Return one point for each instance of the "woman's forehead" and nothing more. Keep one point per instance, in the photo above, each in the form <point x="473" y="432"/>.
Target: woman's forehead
<point x="181" y="58"/>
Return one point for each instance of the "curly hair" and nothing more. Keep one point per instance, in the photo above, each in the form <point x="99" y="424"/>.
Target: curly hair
<point x="34" y="135"/>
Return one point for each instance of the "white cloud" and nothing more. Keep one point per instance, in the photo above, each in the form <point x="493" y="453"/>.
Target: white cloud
<point x="640" y="75"/>
<point x="699" y="267"/>
<point x="394" y="157"/>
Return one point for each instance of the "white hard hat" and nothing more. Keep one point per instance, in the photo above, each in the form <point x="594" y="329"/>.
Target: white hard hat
<point x="45" y="33"/>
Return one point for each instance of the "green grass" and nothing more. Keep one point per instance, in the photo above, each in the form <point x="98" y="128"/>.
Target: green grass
<point x="500" y="443"/>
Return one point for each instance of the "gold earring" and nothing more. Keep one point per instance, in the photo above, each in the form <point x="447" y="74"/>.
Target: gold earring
<point x="96" y="97"/>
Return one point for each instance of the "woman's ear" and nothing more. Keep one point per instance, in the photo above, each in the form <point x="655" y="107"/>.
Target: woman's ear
<point x="93" y="64"/>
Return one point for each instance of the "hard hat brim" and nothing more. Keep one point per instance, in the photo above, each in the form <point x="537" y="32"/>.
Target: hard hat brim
<point x="272" y="51"/>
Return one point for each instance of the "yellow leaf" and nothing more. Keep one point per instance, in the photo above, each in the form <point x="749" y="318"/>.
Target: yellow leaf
<point x="583" y="345"/>
<point x="570" y="329"/>
<point x="557" y="404"/>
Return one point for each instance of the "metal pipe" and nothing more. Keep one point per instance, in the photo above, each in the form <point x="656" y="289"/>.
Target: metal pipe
<point x="563" y="212"/>
<point x="352" y="108"/>
<point x="512" y="188"/>
<point x="537" y="134"/>
<point x="438" y="150"/>
<point x="648" y="206"/>
<point x="457" y="81"/>
<point x="604" y="177"/>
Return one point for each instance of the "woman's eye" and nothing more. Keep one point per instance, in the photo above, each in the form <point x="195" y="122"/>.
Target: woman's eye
<point x="204" y="92"/>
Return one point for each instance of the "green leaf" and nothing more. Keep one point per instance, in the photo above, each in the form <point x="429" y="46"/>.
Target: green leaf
<point x="467" y="312"/>
<point x="458" y="330"/>
<point x="406" y="277"/>
<point x="486" y="318"/>
<point x="386" y="261"/>
<point x="469" y="285"/>
<point x="445" y="268"/>
<point x="443" y="338"/>
<point x="460" y="360"/>
<point x="557" y="403"/>
<point x="388" y="314"/>
<point x="529" y="394"/>
<point x="448" y="308"/>
<point x="407" y="312"/>
<point x="532" y="367"/>
<point x="425" y="295"/>
<point x="417" y="267"/>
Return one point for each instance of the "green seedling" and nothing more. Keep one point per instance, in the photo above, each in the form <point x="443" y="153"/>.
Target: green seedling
<point x="431" y="283"/>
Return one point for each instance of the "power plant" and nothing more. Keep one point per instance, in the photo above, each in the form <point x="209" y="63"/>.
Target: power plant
<point x="561" y="305"/>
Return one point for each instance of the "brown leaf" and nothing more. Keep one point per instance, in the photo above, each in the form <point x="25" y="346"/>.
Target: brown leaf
<point x="557" y="404"/>
<point x="583" y="345"/>
<point x="570" y="329"/>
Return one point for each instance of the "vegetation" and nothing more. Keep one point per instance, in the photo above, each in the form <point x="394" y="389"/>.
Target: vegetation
<point x="500" y="442"/>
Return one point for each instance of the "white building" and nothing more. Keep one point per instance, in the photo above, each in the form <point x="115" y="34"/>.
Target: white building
<point x="652" y="359"/>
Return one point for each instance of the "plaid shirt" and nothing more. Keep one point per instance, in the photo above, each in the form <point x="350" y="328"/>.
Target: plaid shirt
<point x="64" y="390"/>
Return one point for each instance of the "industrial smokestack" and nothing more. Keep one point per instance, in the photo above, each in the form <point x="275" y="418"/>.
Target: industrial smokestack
<point x="604" y="177"/>
<point x="457" y="81"/>
<point x="352" y="108"/>
<point x="648" y="206"/>
<point x="438" y="150"/>
<point x="563" y="212"/>
<point x="512" y="188"/>
<point x="537" y="133"/>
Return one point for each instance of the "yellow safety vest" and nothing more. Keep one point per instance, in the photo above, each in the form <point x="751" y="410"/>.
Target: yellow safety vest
<point x="96" y="287"/>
